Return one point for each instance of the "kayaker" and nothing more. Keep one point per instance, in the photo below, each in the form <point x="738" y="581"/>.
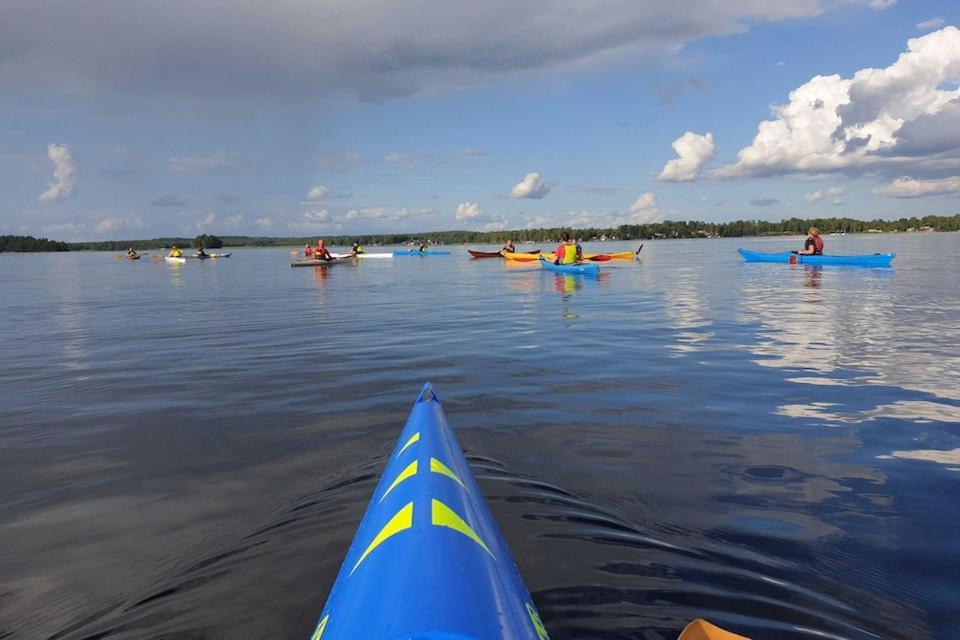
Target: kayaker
<point x="175" y="252"/>
<point x="357" y="248"/>
<point x="423" y="246"/>
<point x="308" y="251"/>
<point x="131" y="253"/>
<point x="508" y="247"/>
<point x="566" y="252"/>
<point x="813" y="245"/>
<point x="321" y="252"/>
<point x="200" y="252"/>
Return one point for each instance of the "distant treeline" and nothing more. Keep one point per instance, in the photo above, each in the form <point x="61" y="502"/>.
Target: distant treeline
<point x="668" y="229"/>
<point x="29" y="243"/>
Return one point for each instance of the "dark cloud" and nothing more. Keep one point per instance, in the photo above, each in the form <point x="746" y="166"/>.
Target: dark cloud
<point x="375" y="49"/>
<point x="171" y="200"/>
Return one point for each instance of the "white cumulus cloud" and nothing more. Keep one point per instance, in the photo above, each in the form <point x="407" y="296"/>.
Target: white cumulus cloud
<point x="318" y="193"/>
<point x="264" y="222"/>
<point x="693" y="151"/>
<point x="644" y="210"/>
<point x="64" y="173"/>
<point x="468" y="211"/>
<point x="906" y="115"/>
<point x="820" y="194"/>
<point x="317" y="215"/>
<point x="532" y="186"/>
<point x="907" y="187"/>
<point x="115" y="224"/>
<point x="204" y="223"/>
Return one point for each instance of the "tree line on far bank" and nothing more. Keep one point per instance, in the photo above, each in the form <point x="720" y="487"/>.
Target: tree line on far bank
<point x="667" y="229"/>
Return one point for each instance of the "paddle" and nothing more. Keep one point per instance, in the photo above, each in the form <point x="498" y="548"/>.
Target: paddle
<point x="639" y="250"/>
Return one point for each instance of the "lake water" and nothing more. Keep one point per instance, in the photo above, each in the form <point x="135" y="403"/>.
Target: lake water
<point x="186" y="451"/>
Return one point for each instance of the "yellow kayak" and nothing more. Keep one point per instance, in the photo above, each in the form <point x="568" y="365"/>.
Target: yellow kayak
<point x="528" y="257"/>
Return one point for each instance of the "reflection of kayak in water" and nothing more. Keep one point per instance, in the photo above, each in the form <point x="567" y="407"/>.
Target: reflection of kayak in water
<point x="874" y="260"/>
<point x="428" y="561"/>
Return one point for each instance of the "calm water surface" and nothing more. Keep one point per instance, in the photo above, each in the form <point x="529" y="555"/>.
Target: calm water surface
<point x="185" y="451"/>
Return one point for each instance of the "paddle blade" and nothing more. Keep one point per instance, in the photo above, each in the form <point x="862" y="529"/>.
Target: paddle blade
<point x="600" y="258"/>
<point x="703" y="630"/>
<point x="793" y="259"/>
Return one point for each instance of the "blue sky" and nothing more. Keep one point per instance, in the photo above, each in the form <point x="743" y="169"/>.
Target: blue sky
<point x="121" y="120"/>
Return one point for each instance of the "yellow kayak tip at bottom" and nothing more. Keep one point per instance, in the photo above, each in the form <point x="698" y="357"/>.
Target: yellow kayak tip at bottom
<point x="703" y="630"/>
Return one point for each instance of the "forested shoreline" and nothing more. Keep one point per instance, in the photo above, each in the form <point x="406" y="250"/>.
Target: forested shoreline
<point x="667" y="229"/>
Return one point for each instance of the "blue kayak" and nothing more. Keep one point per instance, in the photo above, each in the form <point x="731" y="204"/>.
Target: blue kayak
<point x="580" y="269"/>
<point x="428" y="252"/>
<point x="875" y="260"/>
<point x="427" y="561"/>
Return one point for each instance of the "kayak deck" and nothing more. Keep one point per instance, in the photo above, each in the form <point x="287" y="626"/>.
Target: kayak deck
<point x="428" y="560"/>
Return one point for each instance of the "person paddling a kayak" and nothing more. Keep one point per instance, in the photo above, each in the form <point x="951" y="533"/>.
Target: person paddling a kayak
<point x="308" y="251"/>
<point x="321" y="252"/>
<point x="508" y="247"/>
<point x="175" y="252"/>
<point x="813" y="245"/>
<point x="131" y="253"/>
<point x="357" y="248"/>
<point x="567" y="252"/>
<point x="200" y="252"/>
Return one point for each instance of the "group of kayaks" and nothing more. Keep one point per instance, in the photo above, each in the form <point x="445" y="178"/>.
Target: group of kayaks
<point x="586" y="267"/>
<point x="428" y="561"/>
<point x="349" y="257"/>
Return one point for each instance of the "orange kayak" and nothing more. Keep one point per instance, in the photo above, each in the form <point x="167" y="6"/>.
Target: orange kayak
<point x="530" y="257"/>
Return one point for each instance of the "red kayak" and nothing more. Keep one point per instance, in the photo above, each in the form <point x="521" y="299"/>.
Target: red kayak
<point x="490" y="254"/>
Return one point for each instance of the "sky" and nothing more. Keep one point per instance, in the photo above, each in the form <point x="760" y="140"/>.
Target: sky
<point x="127" y="119"/>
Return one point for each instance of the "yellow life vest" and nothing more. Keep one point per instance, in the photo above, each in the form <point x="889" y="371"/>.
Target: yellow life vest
<point x="176" y="253"/>
<point x="359" y="249"/>
<point x="569" y="254"/>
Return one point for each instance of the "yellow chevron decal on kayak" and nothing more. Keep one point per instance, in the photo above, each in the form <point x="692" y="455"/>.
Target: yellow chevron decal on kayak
<point x="411" y="470"/>
<point x="438" y="467"/>
<point x="444" y="516"/>
<point x="320" y="627"/>
<point x="401" y="521"/>
<point x="414" y="438"/>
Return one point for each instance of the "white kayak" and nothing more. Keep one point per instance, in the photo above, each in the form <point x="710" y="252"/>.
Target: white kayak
<point x="362" y="255"/>
<point x="174" y="260"/>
